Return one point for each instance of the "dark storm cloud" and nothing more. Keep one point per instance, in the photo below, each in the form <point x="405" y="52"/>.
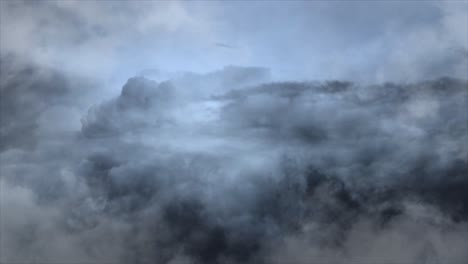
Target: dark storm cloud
<point x="233" y="165"/>
<point x="31" y="97"/>
<point x="342" y="164"/>
<point x="25" y="93"/>
<point x="122" y="114"/>
<point x="143" y="102"/>
<point x="320" y="165"/>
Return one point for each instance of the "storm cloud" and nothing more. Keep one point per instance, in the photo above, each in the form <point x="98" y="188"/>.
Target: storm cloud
<point x="128" y="144"/>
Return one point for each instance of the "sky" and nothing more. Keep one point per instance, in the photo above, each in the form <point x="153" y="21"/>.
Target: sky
<point x="228" y="132"/>
<point x="371" y="41"/>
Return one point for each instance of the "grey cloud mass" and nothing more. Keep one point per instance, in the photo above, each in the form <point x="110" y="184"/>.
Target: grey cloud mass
<point x="129" y="134"/>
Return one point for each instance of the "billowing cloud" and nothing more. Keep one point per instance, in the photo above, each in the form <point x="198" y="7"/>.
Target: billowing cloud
<point x="190" y="160"/>
<point x="262" y="173"/>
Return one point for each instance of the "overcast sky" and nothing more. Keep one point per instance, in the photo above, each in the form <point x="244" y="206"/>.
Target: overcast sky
<point x="359" y="40"/>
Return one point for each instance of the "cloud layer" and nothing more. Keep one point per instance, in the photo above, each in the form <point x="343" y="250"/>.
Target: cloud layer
<point x="269" y="172"/>
<point x="195" y="161"/>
